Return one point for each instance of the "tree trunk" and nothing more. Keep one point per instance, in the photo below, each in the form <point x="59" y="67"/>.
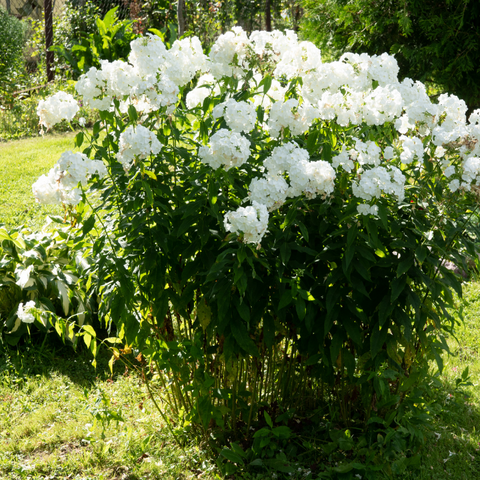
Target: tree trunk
<point x="181" y="17"/>
<point x="49" y="40"/>
<point x="268" y="15"/>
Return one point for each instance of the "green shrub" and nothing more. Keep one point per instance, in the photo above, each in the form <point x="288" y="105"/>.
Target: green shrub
<point x="76" y="21"/>
<point x="12" y="41"/>
<point x="109" y="41"/>
<point x="12" y="38"/>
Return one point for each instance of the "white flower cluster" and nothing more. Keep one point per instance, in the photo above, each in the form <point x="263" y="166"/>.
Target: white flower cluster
<point x="239" y="116"/>
<point x="357" y="90"/>
<point x="56" y="108"/>
<point x="304" y="178"/>
<point x="136" y="143"/>
<point x="227" y="149"/>
<point x="251" y="221"/>
<point x="378" y="181"/>
<point x="61" y="182"/>
<point x="412" y="147"/>
<point x="289" y="114"/>
<point x="150" y="80"/>
<point x="26" y="312"/>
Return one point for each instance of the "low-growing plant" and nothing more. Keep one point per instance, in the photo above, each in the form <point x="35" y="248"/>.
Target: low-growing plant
<point x="328" y="291"/>
<point x="43" y="284"/>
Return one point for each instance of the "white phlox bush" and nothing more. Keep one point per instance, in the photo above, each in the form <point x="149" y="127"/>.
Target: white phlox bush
<point x="380" y="130"/>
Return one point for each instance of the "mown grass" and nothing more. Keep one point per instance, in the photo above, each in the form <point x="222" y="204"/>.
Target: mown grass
<point x="60" y="418"/>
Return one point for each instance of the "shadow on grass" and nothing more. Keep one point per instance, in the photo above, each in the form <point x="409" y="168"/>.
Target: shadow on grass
<point x="47" y="355"/>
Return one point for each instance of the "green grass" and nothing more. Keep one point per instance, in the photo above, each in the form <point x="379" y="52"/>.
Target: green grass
<point x="21" y="164"/>
<point x="61" y="419"/>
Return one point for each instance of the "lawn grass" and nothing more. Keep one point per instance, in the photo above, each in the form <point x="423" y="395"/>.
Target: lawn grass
<point x="61" y="419"/>
<point x="21" y="164"/>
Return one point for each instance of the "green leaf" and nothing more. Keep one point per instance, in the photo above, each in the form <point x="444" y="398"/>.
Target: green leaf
<point x="148" y="192"/>
<point x="304" y="230"/>
<point x="158" y="33"/>
<point x="204" y="314"/>
<point x="268" y="419"/>
<point x="421" y="253"/>
<point x="88" y="224"/>
<point x="90" y="330"/>
<point x="79" y="139"/>
<point x="241" y="336"/>
<point x="286" y="299"/>
<point x="352" y="235"/>
<point x="267" y="83"/>
<point x="232" y="456"/>
<point x="132" y="113"/>
<point x="383" y="214"/>
<point x="404" y="266"/>
<point x="18" y="242"/>
<point x="243" y="310"/>
<point x="349" y="254"/>
<point x="377" y="339"/>
<point x="398" y="286"/>
<point x="150" y="174"/>
<point x="300" y="307"/>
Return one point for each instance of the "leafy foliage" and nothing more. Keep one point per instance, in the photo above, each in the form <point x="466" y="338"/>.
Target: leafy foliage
<point x="435" y="41"/>
<point x="12" y="40"/>
<point x="45" y="268"/>
<point x="110" y="41"/>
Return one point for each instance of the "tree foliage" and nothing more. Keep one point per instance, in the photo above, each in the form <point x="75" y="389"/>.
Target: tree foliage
<point x="432" y="40"/>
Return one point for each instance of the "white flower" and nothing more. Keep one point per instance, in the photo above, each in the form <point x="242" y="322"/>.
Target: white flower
<point x="227" y="149"/>
<point x="283" y="157"/>
<point x="388" y="153"/>
<point x="82" y="121"/>
<point x="60" y="184"/>
<point x="196" y="96"/>
<point x="251" y="221"/>
<point x="290" y="115"/>
<point x="270" y="191"/>
<point x="136" y="143"/>
<point x="454" y="185"/>
<point x="471" y="170"/>
<point x="26" y="312"/>
<point x="311" y="179"/>
<point x="379" y="180"/>
<point x="366" y="209"/>
<point x="57" y="108"/>
<point x="449" y="171"/>
<point x="239" y="116"/>
<point x="412" y="147"/>
<point x="439" y="152"/>
<point x="343" y="160"/>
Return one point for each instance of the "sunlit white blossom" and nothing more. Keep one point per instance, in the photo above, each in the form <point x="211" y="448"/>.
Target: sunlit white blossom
<point x="227" y="149"/>
<point x="58" y="107"/>
<point x="252" y="221"/>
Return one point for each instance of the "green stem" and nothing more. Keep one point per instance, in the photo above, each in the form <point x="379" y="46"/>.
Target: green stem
<point x="165" y="419"/>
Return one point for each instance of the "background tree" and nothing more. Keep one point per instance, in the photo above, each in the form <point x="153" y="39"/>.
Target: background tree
<point x="433" y="40"/>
